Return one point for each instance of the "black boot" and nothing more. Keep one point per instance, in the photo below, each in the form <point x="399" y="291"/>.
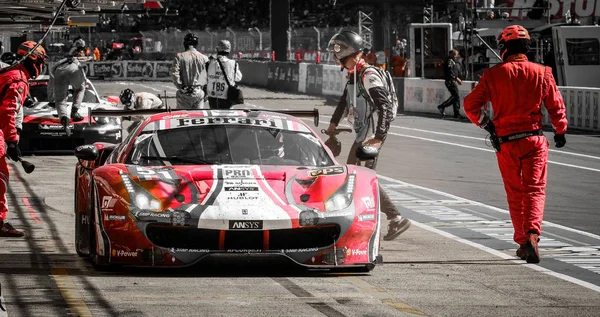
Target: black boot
<point x="441" y="110"/>
<point x="65" y="122"/>
<point x="398" y="224"/>
<point x="75" y="115"/>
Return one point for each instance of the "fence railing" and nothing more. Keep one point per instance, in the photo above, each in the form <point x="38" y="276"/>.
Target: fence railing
<point x="252" y="43"/>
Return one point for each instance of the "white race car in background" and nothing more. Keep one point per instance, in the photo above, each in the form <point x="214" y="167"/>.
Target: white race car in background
<point x="42" y="130"/>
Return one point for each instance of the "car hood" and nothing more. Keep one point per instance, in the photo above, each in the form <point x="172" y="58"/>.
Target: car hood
<point x="42" y="113"/>
<point x="224" y="186"/>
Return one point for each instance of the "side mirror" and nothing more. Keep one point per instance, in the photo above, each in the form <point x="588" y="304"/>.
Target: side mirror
<point x="366" y="153"/>
<point x="86" y="152"/>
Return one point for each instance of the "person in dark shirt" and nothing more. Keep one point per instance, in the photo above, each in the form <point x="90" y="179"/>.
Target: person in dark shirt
<point x="451" y="77"/>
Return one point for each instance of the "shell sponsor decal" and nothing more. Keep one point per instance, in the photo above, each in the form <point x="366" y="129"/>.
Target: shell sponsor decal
<point x="123" y="253"/>
<point x="356" y="252"/>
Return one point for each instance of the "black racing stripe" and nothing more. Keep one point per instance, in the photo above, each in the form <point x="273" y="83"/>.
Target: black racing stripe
<point x="218" y="188"/>
<point x="193" y="190"/>
<point x="300" y="292"/>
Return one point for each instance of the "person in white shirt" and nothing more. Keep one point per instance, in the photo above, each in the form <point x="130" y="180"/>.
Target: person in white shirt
<point x="188" y="73"/>
<point x="218" y="68"/>
<point x="139" y="101"/>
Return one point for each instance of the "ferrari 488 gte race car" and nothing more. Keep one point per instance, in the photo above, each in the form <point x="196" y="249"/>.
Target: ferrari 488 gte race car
<point x="42" y="130"/>
<point x="187" y="184"/>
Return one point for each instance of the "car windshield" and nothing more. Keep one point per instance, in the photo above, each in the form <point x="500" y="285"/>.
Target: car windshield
<point x="228" y="144"/>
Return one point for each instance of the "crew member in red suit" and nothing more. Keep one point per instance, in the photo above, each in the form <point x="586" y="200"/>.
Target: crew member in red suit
<point x="517" y="88"/>
<point x="14" y="88"/>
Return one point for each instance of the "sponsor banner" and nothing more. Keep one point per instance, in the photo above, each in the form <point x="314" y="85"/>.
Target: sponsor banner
<point x="283" y="76"/>
<point x="162" y="70"/>
<point x="334" y="80"/>
<point x="118" y="69"/>
<point x="314" y="79"/>
<point x="558" y="8"/>
<point x="139" y="70"/>
<point x="102" y="69"/>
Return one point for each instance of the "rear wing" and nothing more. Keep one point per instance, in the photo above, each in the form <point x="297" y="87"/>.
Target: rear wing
<point x="125" y="113"/>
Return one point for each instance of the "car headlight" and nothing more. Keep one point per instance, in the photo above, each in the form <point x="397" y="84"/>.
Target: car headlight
<point x="145" y="202"/>
<point x="107" y="120"/>
<point x="102" y="120"/>
<point x="341" y="198"/>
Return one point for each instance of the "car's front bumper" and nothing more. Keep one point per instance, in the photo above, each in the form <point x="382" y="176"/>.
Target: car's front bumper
<point x="337" y="241"/>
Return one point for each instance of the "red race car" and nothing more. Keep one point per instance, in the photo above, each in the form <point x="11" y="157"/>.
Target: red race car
<point x="187" y="184"/>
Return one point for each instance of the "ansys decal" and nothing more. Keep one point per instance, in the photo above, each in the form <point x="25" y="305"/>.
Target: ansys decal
<point x="241" y="193"/>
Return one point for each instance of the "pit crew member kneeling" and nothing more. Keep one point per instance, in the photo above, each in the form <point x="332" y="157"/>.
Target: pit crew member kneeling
<point x="516" y="88"/>
<point x="139" y="101"/>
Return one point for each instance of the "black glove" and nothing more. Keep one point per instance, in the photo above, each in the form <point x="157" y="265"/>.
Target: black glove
<point x="560" y="140"/>
<point x="488" y="125"/>
<point x="13" y="151"/>
<point x="19" y="131"/>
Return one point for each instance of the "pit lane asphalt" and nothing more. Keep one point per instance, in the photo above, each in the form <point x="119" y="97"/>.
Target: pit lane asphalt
<point x="456" y="260"/>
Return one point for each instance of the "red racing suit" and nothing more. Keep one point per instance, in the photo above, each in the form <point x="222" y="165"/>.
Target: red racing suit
<point x="14" y="88"/>
<point x="516" y="89"/>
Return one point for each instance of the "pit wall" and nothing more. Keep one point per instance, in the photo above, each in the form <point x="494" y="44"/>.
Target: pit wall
<point x="415" y="94"/>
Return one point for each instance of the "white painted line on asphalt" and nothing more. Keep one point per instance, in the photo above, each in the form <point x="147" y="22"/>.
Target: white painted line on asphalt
<point x="477" y="148"/>
<point x="505" y="256"/>
<point x="482" y="214"/>
<point x="489" y="150"/>
<point x="545" y="223"/>
<point x="439" y="133"/>
<point x="564" y="238"/>
<point x="483" y="139"/>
